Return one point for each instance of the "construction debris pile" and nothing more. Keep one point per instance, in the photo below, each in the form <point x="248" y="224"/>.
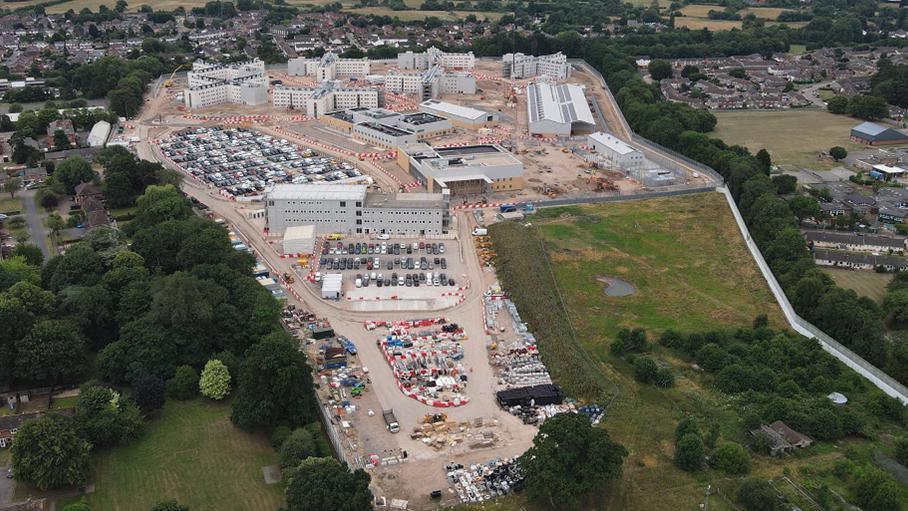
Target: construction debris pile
<point x="478" y="483"/>
<point x="426" y="362"/>
<point x="527" y="388"/>
<point x="439" y="433"/>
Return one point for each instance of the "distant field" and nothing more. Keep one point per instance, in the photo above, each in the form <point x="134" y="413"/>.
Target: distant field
<point x="869" y="284"/>
<point x="792" y="137"/>
<point x="767" y="13"/>
<point x="701" y="23"/>
<point x="702" y="11"/>
<point x="797" y="49"/>
<point x="192" y="453"/>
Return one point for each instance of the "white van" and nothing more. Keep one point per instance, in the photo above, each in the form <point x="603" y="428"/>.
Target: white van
<point x="359" y="283"/>
<point x="428" y="278"/>
<point x="383" y="236"/>
<point x="480" y="231"/>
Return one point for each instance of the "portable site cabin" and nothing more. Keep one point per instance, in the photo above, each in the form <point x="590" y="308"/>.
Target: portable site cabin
<point x="546" y="394"/>
<point x="331" y="286"/>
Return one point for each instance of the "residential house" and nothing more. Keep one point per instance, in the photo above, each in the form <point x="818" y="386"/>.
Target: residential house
<point x="86" y="191"/>
<point x="64" y="125"/>
<point x="782" y="438"/>
<point x="855" y="242"/>
<point x="859" y="260"/>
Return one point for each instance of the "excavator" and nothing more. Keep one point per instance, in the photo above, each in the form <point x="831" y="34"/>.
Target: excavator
<point x="169" y="82"/>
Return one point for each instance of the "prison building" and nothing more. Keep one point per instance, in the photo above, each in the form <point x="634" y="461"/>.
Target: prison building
<point x="468" y="170"/>
<point x="243" y="83"/>
<point x="459" y="116"/>
<point x="327" y="97"/>
<point x="517" y="66"/>
<point x="559" y="110"/>
<point x="328" y="67"/>
<point x="351" y="209"/>
<point x="616" y="152"/>
<point x="431" y="83"/>
<point x="432" y="57"/>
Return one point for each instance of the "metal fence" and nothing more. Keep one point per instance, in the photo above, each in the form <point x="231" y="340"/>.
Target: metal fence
<point x="596" y="199"/>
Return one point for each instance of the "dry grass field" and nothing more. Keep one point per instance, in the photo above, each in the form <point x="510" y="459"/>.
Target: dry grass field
<point x="792" y="137"/>
<point x="421" y="15"/>
<point x="864" y="283"/>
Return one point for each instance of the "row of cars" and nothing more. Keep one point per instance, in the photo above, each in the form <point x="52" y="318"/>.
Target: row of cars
<point x="375" y="263"/>
<point x="404" y="279"/>
<point x="243" y="162"/>
<point x="383" y="248"/>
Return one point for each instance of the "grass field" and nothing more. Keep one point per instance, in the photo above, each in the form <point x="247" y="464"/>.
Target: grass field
<point x="421" y="15"/>
<point x="792" y="137"/>
<point x="192" y="453"/>
<point x="691" y="271"/>
<point x="8" y="204"/>
<point x="869" y="284"/>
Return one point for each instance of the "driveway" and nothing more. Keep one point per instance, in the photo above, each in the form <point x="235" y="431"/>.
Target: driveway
<point x="33" y="221"/>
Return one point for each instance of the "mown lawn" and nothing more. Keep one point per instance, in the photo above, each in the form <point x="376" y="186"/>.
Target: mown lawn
<point x="8" y="204"/>
<point x="192" y="453"/>
<point x="869" y="284"/>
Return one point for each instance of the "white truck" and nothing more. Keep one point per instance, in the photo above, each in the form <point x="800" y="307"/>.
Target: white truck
<point x="390" y="421"/>
<point x="480" y="231"/>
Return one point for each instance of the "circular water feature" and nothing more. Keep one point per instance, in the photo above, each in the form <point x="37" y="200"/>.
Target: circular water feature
<point x="617" y="287"/>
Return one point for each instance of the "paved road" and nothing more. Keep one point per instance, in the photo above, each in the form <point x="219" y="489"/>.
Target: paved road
<point x="34" y="224"/>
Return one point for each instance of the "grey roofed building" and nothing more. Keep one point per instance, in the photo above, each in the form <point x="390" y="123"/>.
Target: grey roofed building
<point x="781" y="437"/>
<point x="873" y="134"/>
<point x="859" y="260"/>
<point x="557" y="109"/>
<point x="854" y="241"/>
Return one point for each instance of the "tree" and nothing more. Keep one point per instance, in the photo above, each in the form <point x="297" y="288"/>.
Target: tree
<point x="297" y="447"/>
<point x="72" y="171"/>
<point x="78" y="506"/>
<point x="757" y="495"/>
<point x="323" y="483"/>
<point x="30" y="253"/>
<point x="877" y="491"/>
<point x="838" y="153"/>
<point x="168" y="505"/>
<point x="55" y="223"/>
<point x="61" y="141"/>
<point x="659" y="69"/>
<point x="274" y="386"/>
<point x="49" y="454"/>
<point x="689" y="453"/>
<point x="184" y="384"/>
<point x="645" y="369"/>
<point x="765" y="160"/>
<point x="569" y="460"/>
<point x="149" y="393"/>
<point x="16" y="269"/>
<point x="804" y="207"/>
<point x="159" y="204"/>
<point x="104" y="418"/>
<point x="868" y="107"/>
<point x="837" y="105"/>
<point x="11" y="186"/>
<point x="732" y="458"/>
<point x="901" y="450"/>
<point x="215" y="380"/>
<point x="52" y="353"/>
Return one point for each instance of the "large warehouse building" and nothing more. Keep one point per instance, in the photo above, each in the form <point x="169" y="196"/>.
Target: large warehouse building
<point x="403" y="129"/>
<point x="468" y="170"/>
<point x="243" y="83"/>
<point x="351" y="209"/>
<point x="327" y="97"/>
<point x="517" y="66"/>
<point x="460" y="116"/>
<point x="328" y="67"/>
<point x="435" y="57"/>
<point x="875" y="134"/>
<point x="557" y="109"/>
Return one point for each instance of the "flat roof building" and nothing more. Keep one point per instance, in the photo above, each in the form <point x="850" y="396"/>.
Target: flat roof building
<point x="875" y="134"/>
<point x="435" y="57"/>
<point x="394" y="129"/>
<point x="328" y="67"/>
<point x="431" y="83"/>
<point x="351" y="209"/>
<point x="557" y="109"/>
<point x="243" y="83"/>
<point x="617" y="152"/>
<point x="327" y="97"/>
<point x="517" y="66"/>
<point x="468" y="170"/>
<point x="461" y="116"/>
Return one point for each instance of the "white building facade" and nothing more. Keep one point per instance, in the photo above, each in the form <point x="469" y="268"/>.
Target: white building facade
<point x="328" y="67"/>
<point x="328" y="97"/>
<point x="213" y="84"/>
<point x="431" y="83"/>
<point x="617" y="152"/>
<point x="351" y="209"/>
<point x="435" y="57"/>
<point x="518" y="66"/>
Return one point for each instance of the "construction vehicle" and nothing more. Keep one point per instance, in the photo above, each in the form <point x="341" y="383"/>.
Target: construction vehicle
<point x="391" y="421"/>
<point x="288" y="278"/>
<point x="169" y="82"/>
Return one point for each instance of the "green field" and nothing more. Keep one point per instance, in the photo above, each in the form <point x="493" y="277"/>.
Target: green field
<point x="792" y="137"/>
<point x="8" y="204"/>
<point x="421" y="15"/>
<point x="192" y="453"/>
<point x="864" y="283"/>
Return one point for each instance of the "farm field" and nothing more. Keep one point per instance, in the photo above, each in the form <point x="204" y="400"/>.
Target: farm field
<point x="192" y="453"/>
<point x="420" y="15"/>
<point x="792" y="137"/>
<point x="869" y="284"/>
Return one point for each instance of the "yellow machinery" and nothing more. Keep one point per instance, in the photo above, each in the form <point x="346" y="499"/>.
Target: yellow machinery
<point x="169" y="82"/>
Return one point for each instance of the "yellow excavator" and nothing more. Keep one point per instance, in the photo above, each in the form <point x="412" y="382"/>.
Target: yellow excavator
<point x="169" y="82"/>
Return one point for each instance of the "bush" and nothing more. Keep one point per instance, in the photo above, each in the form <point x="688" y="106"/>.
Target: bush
<point x="901" y="450"/>
<point x="215" y="380"/>
<point x="645" y="369"/>
<point x="757" y="495"/>
<point x="184" y="384"/>
<point x="664" y="378"/>
<point x="689" y="453"/>
<point x="297" y="447"/>
<point x="732" y="458"/>
<point x="278" y="435"/>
